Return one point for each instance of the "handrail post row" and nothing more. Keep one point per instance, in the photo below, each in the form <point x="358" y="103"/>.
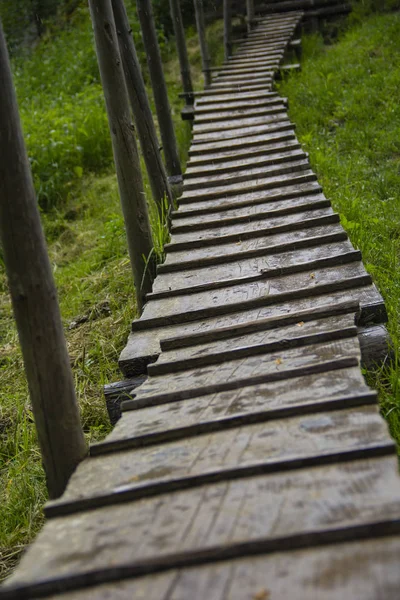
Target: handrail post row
<point x="182" y="50"/>
<point x="125" y="150"/>
<point x="201" y="30"/>
<point x="227" y="8"/>
<point x="150" y="41"/>
<point x="34" y="299"/>
<point x="250" y="14"/>
<point x="141" y="108"/>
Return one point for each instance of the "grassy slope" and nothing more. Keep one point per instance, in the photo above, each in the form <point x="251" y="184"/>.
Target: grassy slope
<point x="345" y="105"/>
<point x="67" y="135"/>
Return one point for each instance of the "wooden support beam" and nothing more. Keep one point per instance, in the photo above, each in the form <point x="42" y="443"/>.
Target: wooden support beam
<point x="141" y="109"/>
<point x="227" y="28"/>
<point x="149" y="35"/>
<point x="125" y="151"/>
<point x="201" y="30"/>
<point x="180" y="40"/>
<point x="34" y="299"/>
<point x="250" y="14"/>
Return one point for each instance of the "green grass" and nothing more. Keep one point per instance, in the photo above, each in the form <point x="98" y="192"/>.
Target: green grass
<point x="345" y="106"/>
<point x="66" y="130"/>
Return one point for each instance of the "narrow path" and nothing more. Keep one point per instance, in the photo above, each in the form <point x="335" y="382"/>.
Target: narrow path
<point x="252" y="463"/>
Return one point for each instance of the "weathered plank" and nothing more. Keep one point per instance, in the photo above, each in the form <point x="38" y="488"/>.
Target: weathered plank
<point x="212" y="96"/>
<point x="262" y="448"/>
<point x="143" y="347"/>
<point x="310" y="394"/>
<point x="298" y="335"/>
<point x="260" y="184"/>
<point x="245" y="131"/>
<point x="244" y="372"/>
<point x="246" y="214"/>
<point x="273" y="197"/>
<point x="302" y="259"/>
<point x="349" y="571"/>
<point x="213" y="148"/>
<point x="221" y="115"/>
<point x="261" y="76"/>
<point x="255" y="228"/>
<point x="248" y="120"/>
<point x="241" y="162"/>
<point x="249" y="173"/>
<point x="260" y="245"/>
<point x="305" y="508"/>
<point x="202" y="110"/>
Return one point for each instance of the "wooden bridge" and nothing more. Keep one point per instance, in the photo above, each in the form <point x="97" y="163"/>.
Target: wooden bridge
<point x="252" y="463"/>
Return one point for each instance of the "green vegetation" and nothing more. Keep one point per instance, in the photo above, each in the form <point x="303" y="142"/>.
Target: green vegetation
<point x="345" y="106"/>
<point x="66" y="131"/>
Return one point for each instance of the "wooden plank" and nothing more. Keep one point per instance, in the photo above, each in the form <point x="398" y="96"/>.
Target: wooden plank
<point x="274" y="197"/>
<point x="299" y="335"/>
<point x="245" y="372"/>
<point x="243" y="215"/>
<point x="245" y="131"/>
<point x="214" y="96"/>
<point x="249" y="173"/>
<point x="262" y="245"/>
<point x="202" y="110"/>
<point x="143" y="347"/>
<point x="254" y="269"/>
<point x="241" y="163"/>
<point x="304" y="508"/>
<point x="233" y="146"/>
<point x="236" y="453"/>
<point x="253" y="331"/>
<point x="258" y="227"/>
<point x="239" y="88"/>
<point x="349" y="571"/>
<point x="260" y="76"/>
<point x="311" y="394"/>
<point x="261" y="184"/>
<point x="242" y="81"/>
<point x="252" y="111"/>
<point x="224" y="70"/>
<point x="201" y="305"/>
<point x="216" y="121"/>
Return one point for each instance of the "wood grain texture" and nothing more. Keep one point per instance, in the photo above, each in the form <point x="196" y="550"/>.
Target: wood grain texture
<point x="235" y="453"/>
<point x="271" y="512"/>
<point x="348" y="571"/>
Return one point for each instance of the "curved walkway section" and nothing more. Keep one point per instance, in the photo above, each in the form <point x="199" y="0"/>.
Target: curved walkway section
<point x="253" y="463"/>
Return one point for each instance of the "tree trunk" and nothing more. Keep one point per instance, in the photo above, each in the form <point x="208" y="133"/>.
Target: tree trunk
<point x="125" y="151"/>
<point x="34" y="299"/>
<point x="250" y="14"/>
<point x="141" y="108"/>
<point x="145" y="14"/>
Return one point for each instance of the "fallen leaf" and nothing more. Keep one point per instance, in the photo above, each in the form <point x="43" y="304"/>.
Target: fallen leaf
<point x="312" y="275"/>
<point x="278" y="361"/>
<point x="300" y="324"/>
<point x="262" y="595"/>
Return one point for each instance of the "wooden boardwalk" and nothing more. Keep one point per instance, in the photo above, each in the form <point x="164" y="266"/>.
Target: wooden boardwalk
<point x="252" y="464"/>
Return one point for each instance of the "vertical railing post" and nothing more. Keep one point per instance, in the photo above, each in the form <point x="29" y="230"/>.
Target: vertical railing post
<point x="227" y="5"/>
<point x="150" y="41"/>
<point x="127" y="163"/>
<point x="182" y="50"/>
<point x="34" y="299"/>
<point x="141" y="108"/>
<point x="201" y="30"/>
<point x="250" y="14"/>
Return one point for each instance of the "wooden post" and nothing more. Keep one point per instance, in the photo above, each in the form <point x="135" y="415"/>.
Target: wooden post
<point x="201" y="30"/>
<point x="141" y="108"/>
<point x="34" y="299"/>
<point x="250" y="14"/>
<point x="182" y="50"/>
<point x="227" y="4"/>
<point x="125" y="151"/>
<point x="145" y="14"/>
